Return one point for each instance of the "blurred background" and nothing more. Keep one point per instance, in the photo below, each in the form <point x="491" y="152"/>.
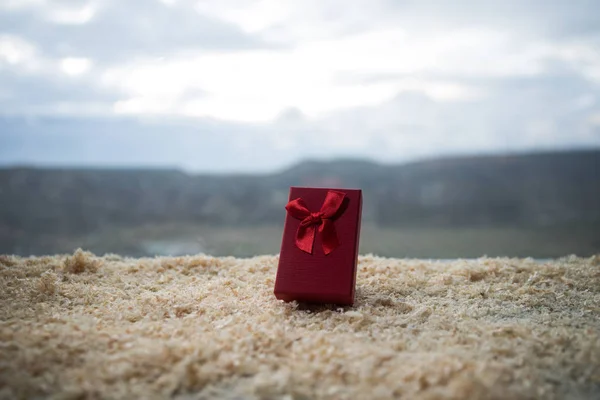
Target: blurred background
<point x="168" y="127"/>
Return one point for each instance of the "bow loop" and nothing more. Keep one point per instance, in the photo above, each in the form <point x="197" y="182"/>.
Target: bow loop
<point x="305" y="236"/>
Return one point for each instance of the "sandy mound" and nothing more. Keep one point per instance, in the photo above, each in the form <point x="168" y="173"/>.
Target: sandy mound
<point x="202" y="327"/>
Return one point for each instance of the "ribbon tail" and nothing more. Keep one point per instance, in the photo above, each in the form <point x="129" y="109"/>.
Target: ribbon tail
<point x="305" y="238"/>
<point x="329" y="236"/>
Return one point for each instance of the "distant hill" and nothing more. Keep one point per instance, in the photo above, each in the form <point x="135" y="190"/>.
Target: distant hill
<point x="520" y="190"/>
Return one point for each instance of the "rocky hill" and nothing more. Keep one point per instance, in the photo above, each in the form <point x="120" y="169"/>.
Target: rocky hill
<point x="533" y="190"/>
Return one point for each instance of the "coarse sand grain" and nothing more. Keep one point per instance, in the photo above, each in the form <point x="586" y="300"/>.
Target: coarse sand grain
<point x="82" y="326"/>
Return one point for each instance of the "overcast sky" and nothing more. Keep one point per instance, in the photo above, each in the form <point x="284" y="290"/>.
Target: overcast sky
<point x="234" y="85"/>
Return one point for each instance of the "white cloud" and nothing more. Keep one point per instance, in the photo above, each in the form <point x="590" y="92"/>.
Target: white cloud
<point x="290" y="21"/>
<point x="22" y="57"/>
<point x="583" y="56"/>
<point x="251" y="16"/>
<point x="17" y="52"/>
<point x="56" y="11"/>
<point x="594" y="119"/>
<point x="378" y="78"/>
<point x="75" y="66"/>
<point x="21" y="4"/>
<point x="144" y="106"/>
<point x="61" y="109"/>
<point x="69" y="15"/>
<point x="257" y="85"/>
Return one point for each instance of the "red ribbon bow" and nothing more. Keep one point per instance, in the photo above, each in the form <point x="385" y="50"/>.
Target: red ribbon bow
<point x="305" y="236"/>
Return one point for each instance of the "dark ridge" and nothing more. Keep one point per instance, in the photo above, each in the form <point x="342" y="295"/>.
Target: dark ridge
<point x="533" y="190"/>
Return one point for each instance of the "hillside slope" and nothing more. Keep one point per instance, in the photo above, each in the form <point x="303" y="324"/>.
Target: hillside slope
<point x="534" y="191"/>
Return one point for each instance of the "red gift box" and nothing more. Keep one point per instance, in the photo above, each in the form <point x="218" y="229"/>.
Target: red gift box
<point x="319" y="248"/>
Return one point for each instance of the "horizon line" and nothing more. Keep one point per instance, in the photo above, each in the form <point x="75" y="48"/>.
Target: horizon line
<point x="292" y="165"/>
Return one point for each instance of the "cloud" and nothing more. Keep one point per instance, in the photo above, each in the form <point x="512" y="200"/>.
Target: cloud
<point x="517" y="113"/>
<point x="126" y="142"/>
<point x="75" y="66"/>
<point x="269" y="81"/>
<point x="50" y="91"/>
<point x="14" y="51"/>
<point x="255" y="86"/>
<point x="80" y="15"/>
<point x="114" y="31"/>
<point x="554" y="19"/>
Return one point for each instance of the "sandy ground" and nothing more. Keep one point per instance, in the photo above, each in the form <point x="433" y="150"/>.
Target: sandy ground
<point x="201" y="327"/>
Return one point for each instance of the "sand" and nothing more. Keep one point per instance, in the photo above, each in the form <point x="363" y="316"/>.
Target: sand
<point x="82" y="326"/>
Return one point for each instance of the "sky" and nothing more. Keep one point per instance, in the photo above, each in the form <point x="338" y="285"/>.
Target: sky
<point x="252" y="86"/>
